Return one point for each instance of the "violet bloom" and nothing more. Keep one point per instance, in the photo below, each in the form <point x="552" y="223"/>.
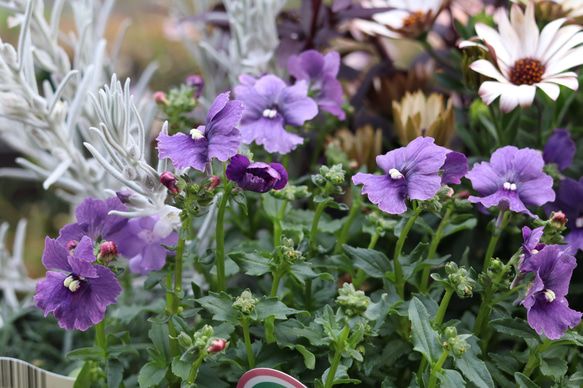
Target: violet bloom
<point x="94" y="221"/>
<point x="271" y="105"/>
<point x="411" y="172"/>
<point x="570" y="201"/>
<point x="532" y="238"/>
<point x="77" y="298"/>
<point x="259" y="177"/>
<point x="513" y="179"/>
<point x="321" y="72"/>
<point x="218" y="139"/>
<point x="560" y="149"/>
<point x="142" y="243"/>
<point x="545" y="302"/>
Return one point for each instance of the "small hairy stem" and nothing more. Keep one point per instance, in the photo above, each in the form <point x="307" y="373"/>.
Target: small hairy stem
<point x="437" y="368"/>
<point x="277" y="230"/>
<point x="496" y="233"/>
<point x="276" y="279"/>
<point x="534" y="358"/>
<point x="443" y="306"/>
<point x="194" y="368"/>
<point x="373" y="240"/>
<point x="247" y="337"/>
<point x="399" y="281"/>
<point x="344" y="232"/>
<point x="340" y="345"/>
<point x="433" y="249"/>
<point x="314" y="231"/>
<point x="220" y="237"/>
<point x="100" y="339"/>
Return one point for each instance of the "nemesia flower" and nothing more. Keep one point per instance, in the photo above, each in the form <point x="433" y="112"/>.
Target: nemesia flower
<point x="142" y="243"/>
<point x="545" y="302"/>
<point x="526" y="59"/>
<point x="271" y="105"/>
<point x="259" y="177"/>
<point x="512" y="180"/>
<point x="570" y="201"/>
<point x="411" y="172"/>
<point x="560" y="149"/>
<point x="532" y="238"/>
<point x="410" y="18"/>
<point x="321" y="72"/>
<point x="417" y="115"/>
<point x="77" y="298"/>
<point x="94" y="221"/>
<point x="217" y="139"/>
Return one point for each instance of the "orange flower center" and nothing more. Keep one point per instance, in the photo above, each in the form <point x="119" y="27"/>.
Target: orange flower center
<point x="412" y="19"/>
<point x="527" y="71"/>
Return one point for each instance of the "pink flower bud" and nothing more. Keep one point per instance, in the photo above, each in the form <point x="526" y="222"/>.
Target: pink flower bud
<point x="160" y="98"/>
<point x="108" y="252"/>
<point x="464" y="194"/>
<point x="217" y="346"/>
<point x="558" y="219"/>
<point x="169" y="180"/>
<point x="215" y="180"/>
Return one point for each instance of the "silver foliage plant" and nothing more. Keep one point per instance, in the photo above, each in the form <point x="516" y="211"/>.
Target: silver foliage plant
<point x="50" y="122"/>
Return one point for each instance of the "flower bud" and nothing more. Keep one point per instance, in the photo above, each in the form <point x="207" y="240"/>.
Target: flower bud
<point x="217" y="346"/>
<point x="184" y="340"/>
<point x="215" y="181"/>
<point x="160" y="98"/>
<point x="245" y="303"/>
<point x="450" y="332"/>
<point x="169" y="181"/>
<point x="353" y="302"/>
<point x="197" y="83"/>
<point x="558" y="220"/>
<point x="107" y="252"/>
<point x="451" y="268"/>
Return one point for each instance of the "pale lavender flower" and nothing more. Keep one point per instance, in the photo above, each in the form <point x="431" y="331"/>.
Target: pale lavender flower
<point x="545" y="302"/>
<point x="78" y="297"/>
<point x="570" y="201"/>
<point x="142" y="240"/>
<point x="218" y="139"/>
<point x="259" y="177"/>
<point x="513" y="179"/>
<point x="411" y="172"/>
<point x="94" y="221"/>
<point x="270" y="106"/>
<point x="321" y="72"/>
<point x="560" y="149"/>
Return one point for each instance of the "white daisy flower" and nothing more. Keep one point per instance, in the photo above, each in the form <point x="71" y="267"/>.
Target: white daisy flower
<point x="553" y="9"/>
<point x="526" y="59"/>
<point x="410" y="18"/>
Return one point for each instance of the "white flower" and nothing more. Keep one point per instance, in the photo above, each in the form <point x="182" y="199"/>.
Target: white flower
<point x="526" y="59"/>
<point x="410" y="18"/>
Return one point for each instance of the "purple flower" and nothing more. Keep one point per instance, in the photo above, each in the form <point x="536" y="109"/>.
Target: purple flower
<point x="77" y="298"/>
<point x="560" y="149"/>
<point x="271" y="105"/>
<point x="570" y="201"/>
<point x="545" y="302"/>
<point x="142" y="243"/>
<point x="94" y="221"/>
<point x="532" y="238"/>
<point x="512" y="180"/>
<point x="321" y="72"/>
<point x="411" y="172"/>
<point x="218" y="139"/>
<point x="259" y="177"/>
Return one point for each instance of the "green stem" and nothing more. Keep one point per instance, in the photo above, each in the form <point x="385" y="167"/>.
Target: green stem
<point x="534" y="358"/>
<point x="481" y="324"/>
<point x="220" y="237"/>
<point x="345" y="229"/>
<point x="100" y="339"/>
<point x="443" y="306"/>
<point x="179" y="259"/>
<point x="340" y="345"/>
<point x="496" y="233"/>
<point x="276" y="278"/>
<point x="277" y="230"/>
<point x="433" y="249"/>
<point x="437" y="368"/>
<point x="399" y="281"/>
<point x="247" y="337"/>
<point x="314" y="231"/>
<point x="373" y="240"/>
<point x="499" y="130"/>
<point x="174" y="349"/>
<point x="194" y="368"/>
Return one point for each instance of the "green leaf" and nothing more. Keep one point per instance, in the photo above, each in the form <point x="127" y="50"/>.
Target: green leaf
<point x="474" y="370"/>
<point x="451" y="379"/>
<point x="181" y="368"/>
<point x="84" y="377"/>
<point x="151" y="374"/>
<point x="374" y="263"/>
<point x="159" y="336"/>
<point x="452" y="228"/>
<point x="84" y="354"/>
<point x="554" y="367"/>
<point x="269" y="324"/>
<point x="425" y="339"/>
<point x="270" y="206"/>
<point x="221" y="306"/>
<point x="524" y="382"/>
<point x="514" y="327"/>
<point x="241" y="199"/>
<point x="267" y="307"/>
<point x="114" y="373"/>
<point x="309" y="358"/>
<point x="253" y="264"/>
<point x="505" y="363"/>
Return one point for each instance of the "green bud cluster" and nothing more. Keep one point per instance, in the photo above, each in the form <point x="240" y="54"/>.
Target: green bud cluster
<point x="245" y="303"/>
<point x="351" y="301"/>
<point x="459" y="279"/>
<point x="334" y="174"/>
<point x="380" y="224"/>
<point x="288" y="252"/>
<point x="203" y="336"/>
<point x="456" y="344"/>
<point x="291" y="192"/>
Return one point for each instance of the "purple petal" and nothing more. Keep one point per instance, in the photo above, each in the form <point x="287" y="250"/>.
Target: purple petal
<point x="504" y="199"/>
<point x="575" y="239"/>
<point x="295" y="106"/>
<point x="538" y="191"/>
<point x="218" y="104"/>
<point x="183" y="151"/>
<point x="485" y="180"/>
<point x="237" y="167"/>
<point x="332" y="63"/>
<point x="84" y="251"/>
<point x="282" y="173"/>
<point x="387" y="193"/>
<point x="454" y="168"/>
<point x="502" y="159"/>
<point x="553" y="318"/>
<point x="50" y="291"/>
<point x="269" y="86"/>
<point x="225" y="120"/>
<point x="531" y="238"/>
<point x="308" y="66"/>
<point x="94" y="213"/>
<point x="421" y="156"/>
<point x="80" y="309"/>
<point x="423" y="187"/>
<point x="526" y="165"/>
<point x="560" y="149"/>
<point x="271" y="134"/>
<point x="55" y="256"/>
<point x="151" y="259"/>
<point x="73" y="232"/>
<point x="105" y="286"/>
<point x="330" y="97"/>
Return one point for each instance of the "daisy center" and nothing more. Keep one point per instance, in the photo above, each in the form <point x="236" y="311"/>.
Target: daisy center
<point x="579" y="222"/>
<point x="269" y="113"/>
<point x="73" y="282"/>
<point x="509" y="186"/>
<point x="196" y="134"/>
<point x="527" y="71"/>
<point x="395" y="174"/>
<point x="412" y="19"/>
<point x="549" y="295"/>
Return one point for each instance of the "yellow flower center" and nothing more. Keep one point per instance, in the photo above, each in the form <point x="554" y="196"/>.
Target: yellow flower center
<point x="412" y="19"/>
<point x="527" y="71"/>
